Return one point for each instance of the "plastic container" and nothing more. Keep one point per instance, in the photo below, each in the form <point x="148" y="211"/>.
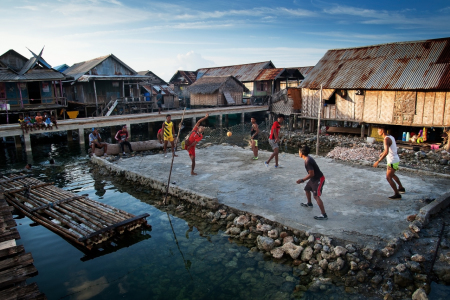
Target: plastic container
<point x="404" y="137"/>
<point x="407" y="137"/>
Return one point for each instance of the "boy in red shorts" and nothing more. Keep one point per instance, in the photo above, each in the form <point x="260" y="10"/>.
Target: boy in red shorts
<point x="195" y="137"/>
<point x="315" y="183"/>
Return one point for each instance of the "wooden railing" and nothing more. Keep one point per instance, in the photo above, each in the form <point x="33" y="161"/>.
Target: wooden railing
<point x="17" y="103"/>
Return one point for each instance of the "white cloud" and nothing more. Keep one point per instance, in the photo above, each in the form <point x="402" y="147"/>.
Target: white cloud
<point x="192" y="61"/>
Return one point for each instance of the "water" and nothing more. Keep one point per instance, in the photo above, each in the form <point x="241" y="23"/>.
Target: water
<point x="190" y="259"/>
<point x="204" y="264"/>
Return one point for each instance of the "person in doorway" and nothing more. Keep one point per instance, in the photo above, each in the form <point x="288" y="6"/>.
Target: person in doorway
<point x="390" y="152"/>
<point x="122" y="138"/>
<point x="169" y="133"/>
<point x="160" y="136"/>
<point x="195" y="136"/>
<point x="254" y="138"/>
<point x="315" y="183"/>
<point x="95" y="141"/>
<point x="274" y="140"/>
<point x="159" y="99"/>
<point x="39" y="121"/>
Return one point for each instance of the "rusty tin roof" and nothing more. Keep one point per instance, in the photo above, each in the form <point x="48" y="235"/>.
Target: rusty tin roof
<point x="396" y="66"/>
<point x="184" y="77"/>
<point x="305" y="70"/>
<point x="244" y="73"/>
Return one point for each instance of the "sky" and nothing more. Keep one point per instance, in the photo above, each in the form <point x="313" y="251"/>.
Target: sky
<point x="166" y="36"/>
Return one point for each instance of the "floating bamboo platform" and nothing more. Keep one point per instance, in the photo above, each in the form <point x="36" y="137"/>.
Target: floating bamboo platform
<point x="16" y="266"/>
<point x="78" y="219"/>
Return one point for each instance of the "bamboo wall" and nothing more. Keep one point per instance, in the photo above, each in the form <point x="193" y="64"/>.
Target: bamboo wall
<point x="408" y="108"/>
<point x="215" y="99"/>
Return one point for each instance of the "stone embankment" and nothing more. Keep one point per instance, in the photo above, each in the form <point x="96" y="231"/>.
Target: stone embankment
<point x="397" y="271"/>
<point x="358" y="150"/>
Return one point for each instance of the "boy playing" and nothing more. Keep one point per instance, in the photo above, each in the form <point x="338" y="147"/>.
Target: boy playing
<point x="274" y="140"/>
<point x="315" y="183"/>
<point x="195" y="137"/>
<point x="390" y="152"/>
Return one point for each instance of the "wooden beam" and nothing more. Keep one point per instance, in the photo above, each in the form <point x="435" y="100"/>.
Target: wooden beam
<point x="9" y="252"/>
<point x="12" y="276"/>
<point x="22" y="260"/>
<point x="30" y="291"/>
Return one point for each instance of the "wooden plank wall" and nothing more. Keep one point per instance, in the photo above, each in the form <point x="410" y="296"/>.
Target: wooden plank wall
<point x="384" y="107"/>
<point x="447" y="109"/>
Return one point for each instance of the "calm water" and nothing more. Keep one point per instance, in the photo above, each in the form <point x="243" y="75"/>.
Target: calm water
<point x="189" y="260"/>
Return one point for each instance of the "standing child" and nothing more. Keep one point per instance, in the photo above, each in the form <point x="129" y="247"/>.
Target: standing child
<point x="254" y="138"/>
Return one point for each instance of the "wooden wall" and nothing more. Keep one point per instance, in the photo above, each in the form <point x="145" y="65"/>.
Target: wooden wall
<point x="408" y="108"/>
<point x="215" y="99"/>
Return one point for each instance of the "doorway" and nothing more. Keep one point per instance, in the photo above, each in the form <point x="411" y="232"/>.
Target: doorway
<point x="34" y="92"/>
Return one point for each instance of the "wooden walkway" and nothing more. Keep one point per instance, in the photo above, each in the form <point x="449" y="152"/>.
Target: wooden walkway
<point x="80" y="220"/>
<point x="16" y="266"/>
<point x="80" y="124"/>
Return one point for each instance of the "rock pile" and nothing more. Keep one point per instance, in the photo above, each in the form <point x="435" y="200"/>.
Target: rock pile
<point x="354" y="154"/>
<point x="356" y="149"/>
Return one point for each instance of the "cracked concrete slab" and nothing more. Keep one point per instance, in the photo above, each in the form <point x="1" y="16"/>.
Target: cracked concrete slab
<point x="355" y="197"/>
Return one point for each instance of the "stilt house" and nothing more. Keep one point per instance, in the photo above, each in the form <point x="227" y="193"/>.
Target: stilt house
<point x="28" y="84"/>
<point x="180" y="81"/>
<point x="403" y="83"/>
<point x="247" y="74"/>
<point x="217" y="91"/>
<point x="94" y="83"/>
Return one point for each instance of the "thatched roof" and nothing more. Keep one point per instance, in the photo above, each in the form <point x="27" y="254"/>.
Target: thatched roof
<point x="211" y="84"/>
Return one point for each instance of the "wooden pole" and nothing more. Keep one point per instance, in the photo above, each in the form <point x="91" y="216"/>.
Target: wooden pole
<point x="96" y="101"/>
<point x="318" y="121"/>
<point x="173" y="156"/>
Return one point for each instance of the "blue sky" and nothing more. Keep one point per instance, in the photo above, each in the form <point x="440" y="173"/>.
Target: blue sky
<point x="167" y="36"/>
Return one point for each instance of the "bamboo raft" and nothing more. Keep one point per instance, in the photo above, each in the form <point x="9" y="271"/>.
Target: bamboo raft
<point x="78" y="219"/>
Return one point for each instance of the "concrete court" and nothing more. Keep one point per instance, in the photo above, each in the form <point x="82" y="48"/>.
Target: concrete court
<point x="355" y="197"/>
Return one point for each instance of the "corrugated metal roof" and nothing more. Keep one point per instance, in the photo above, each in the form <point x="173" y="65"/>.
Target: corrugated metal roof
<point x="244" y="73"/>
<point x="305" y="70"/>
<point x="87" y="78"/>
<point x="79" y="69"/>
<point x="269" y="74"/>
<point x="154" y="89"/>
<point x="152" y="77"/>
<point x="32" y="75"/>
<point x="396" y="66"/>
<point x="188" y="77"/>
<point x="210" y="84"/>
